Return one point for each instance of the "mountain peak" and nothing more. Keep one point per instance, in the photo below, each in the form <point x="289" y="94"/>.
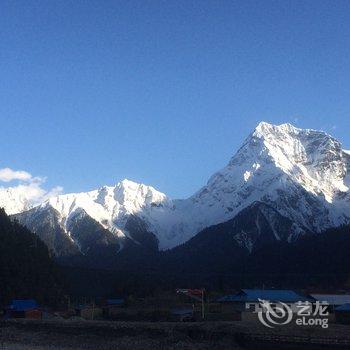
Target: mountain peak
<point x="266" y="129"/>
<point x="277" y="162"/>
<point x="127" y="183"/>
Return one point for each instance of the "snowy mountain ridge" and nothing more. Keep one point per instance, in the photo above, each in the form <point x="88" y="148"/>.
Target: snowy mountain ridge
<point x="110" y="205"/>
<point x="303" y="174"/>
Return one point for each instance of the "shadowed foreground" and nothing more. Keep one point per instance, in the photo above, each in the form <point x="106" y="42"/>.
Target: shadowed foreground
<point x="59" y="334"/>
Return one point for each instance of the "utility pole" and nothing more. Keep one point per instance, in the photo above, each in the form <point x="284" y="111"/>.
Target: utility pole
<point x="203" y="304"/>
<point x="93" y="310"/>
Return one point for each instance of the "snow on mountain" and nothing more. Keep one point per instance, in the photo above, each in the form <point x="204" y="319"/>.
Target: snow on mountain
<point x="302" y="174"/>
<point x="111" y="206"/>
<point x="25" y="192"/>
<point x="13" y="200"/>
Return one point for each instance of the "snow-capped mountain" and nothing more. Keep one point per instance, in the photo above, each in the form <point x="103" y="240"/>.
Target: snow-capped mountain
<point x="111" y="206"/>
<point x="302" y="175"/>
<point x="103" y="216"/>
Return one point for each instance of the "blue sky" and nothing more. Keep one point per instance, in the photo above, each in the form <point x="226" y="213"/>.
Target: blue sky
<point x="163" y="92"/>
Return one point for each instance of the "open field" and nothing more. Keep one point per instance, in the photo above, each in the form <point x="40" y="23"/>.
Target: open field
<point x="30" y="335"/>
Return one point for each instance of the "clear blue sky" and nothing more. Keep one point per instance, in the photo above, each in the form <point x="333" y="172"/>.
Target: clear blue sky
<point x="163" y="92"/>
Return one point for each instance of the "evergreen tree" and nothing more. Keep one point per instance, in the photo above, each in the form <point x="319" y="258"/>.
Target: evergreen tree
<point x="26" y="268"/>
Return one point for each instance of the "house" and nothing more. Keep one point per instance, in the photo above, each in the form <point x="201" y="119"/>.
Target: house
<point x="88" y="312"/>
<point x="182" y="314"/>
<point x="247" y="301"/>
<point x="23" y="308"/>
<point x="111" y="307"/>
<point x="115" y="302"/>
<point x="342" y="314"/>
<point x="252" y="296"/>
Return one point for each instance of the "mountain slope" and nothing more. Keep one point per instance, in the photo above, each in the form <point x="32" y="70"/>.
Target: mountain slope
<point x="223" y="246"/>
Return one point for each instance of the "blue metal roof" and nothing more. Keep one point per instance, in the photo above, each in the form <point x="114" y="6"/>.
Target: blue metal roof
<point x="119" y="301"/>
<point x="253" y="295"/>
<point x="345" y="307"/>
<point x="182" y="311"/>
<point x="333" y="299"/>
<point x="23" y="305"/>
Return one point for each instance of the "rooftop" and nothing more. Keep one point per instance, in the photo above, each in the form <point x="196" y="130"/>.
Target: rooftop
<point x="246" y="295"/>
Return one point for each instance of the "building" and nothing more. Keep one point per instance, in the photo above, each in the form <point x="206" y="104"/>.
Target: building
<point x="88" y="312"/>
<point x="182" y="314"/>
<point x="253" y="296"/>
<point x="247" y="301"/>
<point x="120" y="302"/>
<point x="23" y="308"/>
<point x="111" y="307"/>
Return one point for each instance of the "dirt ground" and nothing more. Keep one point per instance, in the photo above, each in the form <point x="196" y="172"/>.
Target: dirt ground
<point x="64" y="335"/>
<point x="67" y="334"/>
